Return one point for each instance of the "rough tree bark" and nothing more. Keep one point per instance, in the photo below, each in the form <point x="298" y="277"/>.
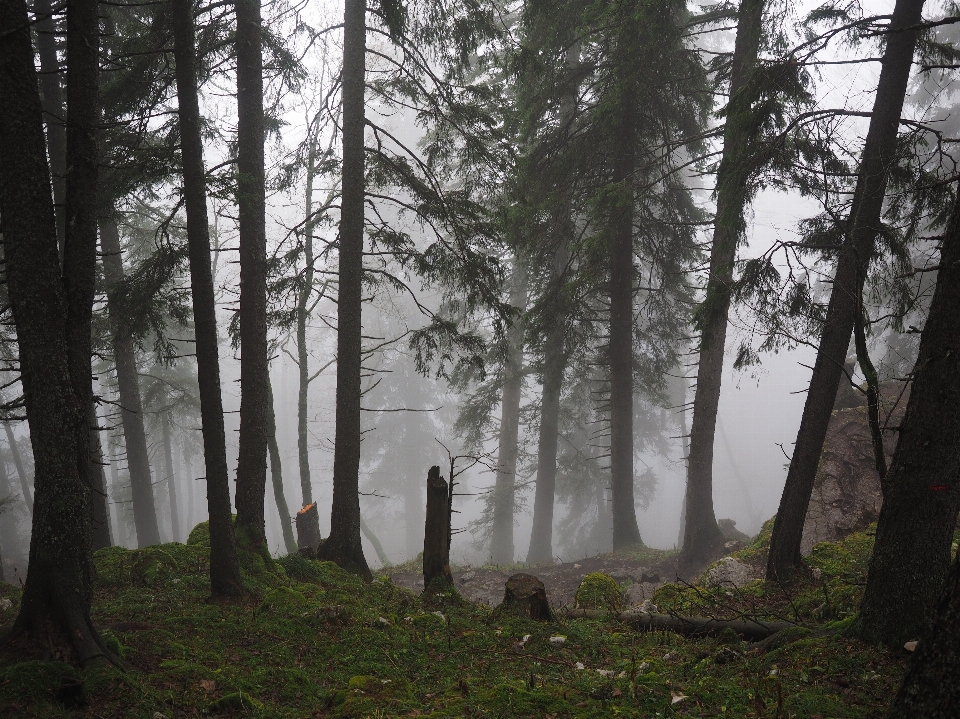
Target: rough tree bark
<point x="931" y="686"/>
<point x="343" y="545"/>
<point x="251" y="207"/>
<point x="863" y="225"/>
<point x="53" y="112"/>
<point x="921" y="491"/>
<point x="80" y="220"/>
<point x="701" y="535"/>
<point x="18" y="463"/>
<point x="171" y="478"/>
<point x="303" y="357"/>
<point x="276" y="477"/>
<point x="59" y="586"/>
<point x="501" y="537"/>
<point x="128" y="384"/>
<point x="436" y="531"/>
<point x="626" y="532"/>
<point x="224" y="565"/>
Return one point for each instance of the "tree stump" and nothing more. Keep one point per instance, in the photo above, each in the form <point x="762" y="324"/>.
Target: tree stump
<point x="308" y="529"/>
<point x="526" y="597"/>
<point x="436" y="531"/>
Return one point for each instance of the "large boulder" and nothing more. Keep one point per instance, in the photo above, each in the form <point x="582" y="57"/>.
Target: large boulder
<point x="728" y="572"/>
<point x="846" y="492"/>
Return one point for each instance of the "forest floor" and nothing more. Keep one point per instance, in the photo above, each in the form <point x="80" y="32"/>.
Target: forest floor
<point x="313" y="641"/>
<point x="644" y="570"/>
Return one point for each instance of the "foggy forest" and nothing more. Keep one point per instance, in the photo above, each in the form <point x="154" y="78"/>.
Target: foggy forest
<point x="479" y="358"/>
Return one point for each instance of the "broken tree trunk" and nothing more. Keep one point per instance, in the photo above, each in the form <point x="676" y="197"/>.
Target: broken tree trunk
<point x="525" y="596"/>
<point x="308" y="528"/>
<point x="436" y="532"/>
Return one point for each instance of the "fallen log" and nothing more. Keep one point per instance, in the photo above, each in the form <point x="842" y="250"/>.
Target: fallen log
<point x="749" y="629"/>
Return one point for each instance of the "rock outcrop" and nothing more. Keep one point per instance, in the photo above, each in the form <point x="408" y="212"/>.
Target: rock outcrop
<point x="846" y="493"/>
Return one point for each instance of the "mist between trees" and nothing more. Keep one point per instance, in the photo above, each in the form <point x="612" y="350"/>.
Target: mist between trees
<point x="584" y="255"/>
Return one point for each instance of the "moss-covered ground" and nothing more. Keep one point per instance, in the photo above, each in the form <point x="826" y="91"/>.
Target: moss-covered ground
<point x="313" y="641"/>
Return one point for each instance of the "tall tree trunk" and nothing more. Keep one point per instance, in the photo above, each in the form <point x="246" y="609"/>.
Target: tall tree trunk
<point x="99" y="509"/>
<point x="128" y="384"/>
<point x="251" y="206"/>
<point x="59" y="586"/>
<point x="554" y="358"/>
<point x="80" y="239"/>
<point x="504" y="500"/>
<point x="171" y="478"/>
<point x="276" y="475"/>
<point x="343" y="545"/>
<point x="224" y="565"/>
<point x="53" y="112"/>
<point x="18" y="463"/>
<point x="303" y="357"/>
<point x="625" y="529"/>
<point x="931" y="686"/>
<point x="921" y="492"/>
<point x="554" y="364"/>
<point x="879" y="155"/>
<point x="702" y="538"/>
<point x="375" y="543"/>
<point x="9" y="539"/>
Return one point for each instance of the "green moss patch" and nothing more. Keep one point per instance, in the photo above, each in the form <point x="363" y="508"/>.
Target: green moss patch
<point x="318" y="642"/>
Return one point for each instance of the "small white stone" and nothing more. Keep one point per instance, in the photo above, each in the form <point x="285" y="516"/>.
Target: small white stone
<point x="6" y="604"/>
<point x="384" y="621"/>
<point x="580" y="665"/>
<point x="439" y="614"/>
<point x="605" y="672"/>
<point x="911" y="646"/>
<point x="558" y="639"/>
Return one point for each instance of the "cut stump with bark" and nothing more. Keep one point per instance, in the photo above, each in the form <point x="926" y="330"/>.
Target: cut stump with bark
<point x="525" y="596"/>
<point x="308" y="528"/>
<point x="436" y="532"/>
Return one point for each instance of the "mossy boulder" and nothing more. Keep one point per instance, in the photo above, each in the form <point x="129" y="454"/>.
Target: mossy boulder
<point x="283" y="599"/>
<point x="599" y="591"/>
<point x="200" y="535"/>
